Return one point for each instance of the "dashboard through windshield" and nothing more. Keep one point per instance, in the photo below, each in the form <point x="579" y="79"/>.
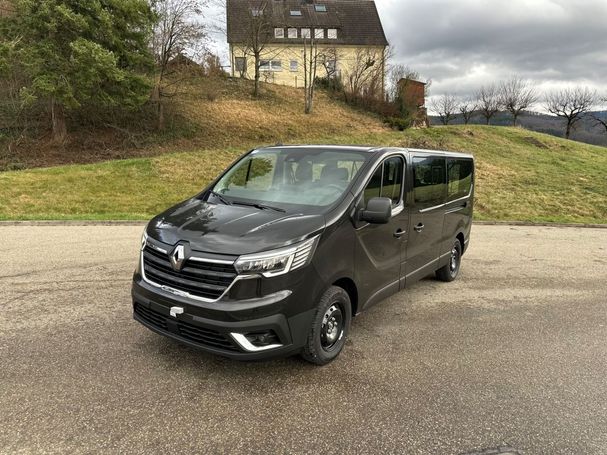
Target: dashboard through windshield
<point x="310" y="177"/>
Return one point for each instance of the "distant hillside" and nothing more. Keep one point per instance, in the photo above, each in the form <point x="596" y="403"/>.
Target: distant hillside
<point x="586" y="130"/>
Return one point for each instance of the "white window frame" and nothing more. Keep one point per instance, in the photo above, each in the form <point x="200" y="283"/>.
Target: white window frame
<point x="332" y="33"/>
<point x="295" y="13"/>
<point x="306" y="33"/>
<point x="292" y="33"/>
<point x="294" y="66"/>
<point x="279" y="33"/>
<point x="320" y="8"/>
<point x="272" y="66"/>
<point x="319" y="33"/>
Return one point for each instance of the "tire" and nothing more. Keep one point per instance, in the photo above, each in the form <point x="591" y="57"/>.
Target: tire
<point x="330" y="327"/>
<point x="450" y="271"/>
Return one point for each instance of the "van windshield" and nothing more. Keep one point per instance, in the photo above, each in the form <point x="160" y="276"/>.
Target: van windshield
<point x="312" y="177"/>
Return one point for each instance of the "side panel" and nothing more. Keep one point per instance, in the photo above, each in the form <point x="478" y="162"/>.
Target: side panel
<point x="426" y="217"/>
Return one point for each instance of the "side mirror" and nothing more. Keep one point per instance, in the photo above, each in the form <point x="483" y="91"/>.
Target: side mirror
<point x="378" y="211"/>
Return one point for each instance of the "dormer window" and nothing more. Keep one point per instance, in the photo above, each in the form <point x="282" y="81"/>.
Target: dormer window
<point x="256" y="12"/>
<point x="295" y="12"/>
<point x="279" y="33"/>
<point x="320" y="8"/>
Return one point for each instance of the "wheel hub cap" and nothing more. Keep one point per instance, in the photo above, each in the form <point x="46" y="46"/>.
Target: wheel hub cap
<point x="332" y="327"/>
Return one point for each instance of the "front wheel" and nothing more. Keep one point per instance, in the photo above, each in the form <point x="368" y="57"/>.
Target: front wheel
<point x="450" y="271"/>
<point x="329" y="328"/>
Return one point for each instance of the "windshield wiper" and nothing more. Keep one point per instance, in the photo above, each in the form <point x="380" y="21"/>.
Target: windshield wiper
<point x="260" y="206"/>
<point x="220" y="197"/>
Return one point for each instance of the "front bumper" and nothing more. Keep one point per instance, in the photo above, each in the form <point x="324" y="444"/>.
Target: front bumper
<point x="212" y="327"/>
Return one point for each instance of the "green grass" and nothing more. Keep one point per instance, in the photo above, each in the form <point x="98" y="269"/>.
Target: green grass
<point x="521" y="176"/>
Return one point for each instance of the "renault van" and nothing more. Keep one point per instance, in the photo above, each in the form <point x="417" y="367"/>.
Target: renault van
<point x="278" y="254"/>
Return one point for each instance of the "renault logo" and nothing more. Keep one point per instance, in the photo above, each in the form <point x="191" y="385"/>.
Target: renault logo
<point x="178" y="257"/>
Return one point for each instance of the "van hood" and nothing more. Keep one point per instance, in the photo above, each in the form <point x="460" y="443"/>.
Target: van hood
<point x="231" y="229"/>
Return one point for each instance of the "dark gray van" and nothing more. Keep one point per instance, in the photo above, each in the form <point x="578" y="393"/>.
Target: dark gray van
<point x="278" y="254"/>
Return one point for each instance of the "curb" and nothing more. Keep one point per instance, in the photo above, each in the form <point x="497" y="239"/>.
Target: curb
<point x="531" y="224"/>
<point x="141" y="223"/>
<point x="71" y="223"/>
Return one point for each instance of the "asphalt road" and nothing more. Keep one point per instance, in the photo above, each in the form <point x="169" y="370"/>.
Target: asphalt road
<point x="512" y="356"/>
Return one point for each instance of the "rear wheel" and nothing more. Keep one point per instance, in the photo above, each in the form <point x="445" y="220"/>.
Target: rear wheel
<point x="330" y="326"/>
<point x="450" y="271"/>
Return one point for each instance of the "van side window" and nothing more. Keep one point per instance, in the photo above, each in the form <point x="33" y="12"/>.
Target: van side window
<point x="429" y="181"/>
<point x="460" y="178"/>
<point x="387" y="181"/>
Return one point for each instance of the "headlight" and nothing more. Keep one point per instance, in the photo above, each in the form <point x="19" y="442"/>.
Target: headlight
<point x="278" y="262"/>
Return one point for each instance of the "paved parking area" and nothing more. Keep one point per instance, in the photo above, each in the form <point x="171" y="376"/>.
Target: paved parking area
<point x="512" y="357"/>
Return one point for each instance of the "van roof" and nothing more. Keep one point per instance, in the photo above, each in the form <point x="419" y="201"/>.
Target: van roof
<point x="371" y="149"/>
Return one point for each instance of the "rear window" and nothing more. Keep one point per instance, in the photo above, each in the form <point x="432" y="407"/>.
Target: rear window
<point x="460" y="177"/>
<point x="429" y="181"/>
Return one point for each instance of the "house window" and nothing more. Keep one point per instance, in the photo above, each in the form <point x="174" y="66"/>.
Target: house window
<point x="306" y="33"/>
<point x="279" y="33"/>
<point x="292" y="33"/>
<point x="240" y="63"/>
<point x="319" y="33"/>
<point x="256" y="12"/>
<point x="320" y="8"/>
<point x="270" y="65"/>
<point x="294" y="66"/>
<point x="332" y="33"/>
<point x="295" y="12"/>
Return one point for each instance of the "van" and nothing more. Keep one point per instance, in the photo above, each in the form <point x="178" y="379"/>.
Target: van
<point x="278" y="254"/>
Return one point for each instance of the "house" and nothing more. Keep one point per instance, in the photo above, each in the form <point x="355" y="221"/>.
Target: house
<point x="348" y="34"/>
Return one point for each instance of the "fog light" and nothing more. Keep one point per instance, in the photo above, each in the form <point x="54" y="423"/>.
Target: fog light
<point x="262" y="339"/>
<point x="257" y="341"/>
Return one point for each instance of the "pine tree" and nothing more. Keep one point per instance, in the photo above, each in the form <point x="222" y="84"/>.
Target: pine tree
<point x="82" y="52"/>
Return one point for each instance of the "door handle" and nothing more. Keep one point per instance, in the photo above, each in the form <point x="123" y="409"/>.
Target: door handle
<point x="399" y="233"/>
<point x="419" y="227"/>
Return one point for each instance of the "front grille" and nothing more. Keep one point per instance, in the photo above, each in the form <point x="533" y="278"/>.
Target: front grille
<point x="190" y="332"/>
<point x="201" y="279"/>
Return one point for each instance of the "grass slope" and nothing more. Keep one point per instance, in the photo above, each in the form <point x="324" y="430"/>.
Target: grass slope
<point x="209" y="114"/>
<point x="521" y="175"/>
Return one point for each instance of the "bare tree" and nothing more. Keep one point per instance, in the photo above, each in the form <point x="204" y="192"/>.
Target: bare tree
<point x="517" y="95"/>
<point x="311" y="58"/>
<point x="446" y="107"/>
<point x="176" y="31"/>
<point x="467" y="108"/>
<point x="365" y="77"/>
<point x="329" y="59"/>
<point x="571" y="105"/>
<point x="488" y="102"/>
<point x="601" y="121"/>
<point x="259" y="34"/>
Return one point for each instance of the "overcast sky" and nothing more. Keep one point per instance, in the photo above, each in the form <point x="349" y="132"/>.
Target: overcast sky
<point x="463" y="44"/>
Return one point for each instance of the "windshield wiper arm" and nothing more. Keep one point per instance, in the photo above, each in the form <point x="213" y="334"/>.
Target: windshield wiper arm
<point x="220" y="197"/>
<point x="260" y="206"/>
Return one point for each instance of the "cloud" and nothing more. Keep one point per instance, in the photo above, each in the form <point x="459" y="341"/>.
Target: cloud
<point x="463" y="45"/>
